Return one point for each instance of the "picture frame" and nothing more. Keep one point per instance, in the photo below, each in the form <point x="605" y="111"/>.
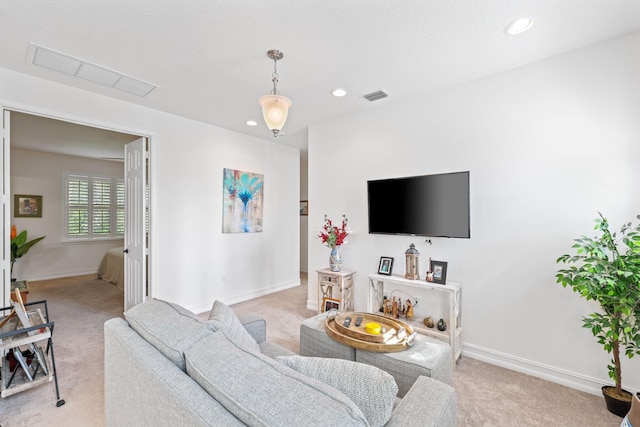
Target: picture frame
<point x="242" y="214"/>
<point x="386" y="265"/>
<point x="439" y="271"/>
<point x="330" y="304"/>
<point x="27" y="206"/>
<point x="304" y="207"/>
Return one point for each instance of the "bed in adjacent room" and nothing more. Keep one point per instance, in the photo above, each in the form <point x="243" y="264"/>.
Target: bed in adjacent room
<point x="112" y="267"/>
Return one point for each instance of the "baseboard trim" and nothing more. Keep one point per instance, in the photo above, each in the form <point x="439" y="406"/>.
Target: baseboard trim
<point x="312" y="305"/>
<point x="59" y="275"/>
<point x="234" y="299"/>
<point x="540" y="370"/>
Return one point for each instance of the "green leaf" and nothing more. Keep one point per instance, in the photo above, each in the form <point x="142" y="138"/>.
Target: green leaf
<point x="598" y="271"/>
<point x="19" y="245"/>
<point x="20" y="239"/>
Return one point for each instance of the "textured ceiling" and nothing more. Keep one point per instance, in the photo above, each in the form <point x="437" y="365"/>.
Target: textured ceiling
<point x="55" y="136"/>
<point x="209" y="57"/>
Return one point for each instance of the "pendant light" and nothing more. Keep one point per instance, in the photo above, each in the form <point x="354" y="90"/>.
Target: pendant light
<point x="275" y="107"/>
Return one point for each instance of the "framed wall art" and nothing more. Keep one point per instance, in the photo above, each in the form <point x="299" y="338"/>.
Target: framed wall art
<point x="329" y="304"/>
<point x="439" y="271"/>
<point x="242" y="201"/>
<point x="27" y="206"/>
<point x="385" y="266"/>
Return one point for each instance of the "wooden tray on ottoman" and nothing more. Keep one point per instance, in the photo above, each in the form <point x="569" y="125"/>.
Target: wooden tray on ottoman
<point x="395" y="335"/>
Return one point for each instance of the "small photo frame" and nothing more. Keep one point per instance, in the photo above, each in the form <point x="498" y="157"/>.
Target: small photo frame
<point x="27" y="206"/>
<point x="385" y="266"/>
<point x="304" y="207"/>
<point x="330" y="304"/>
<point x="439" y="271"/>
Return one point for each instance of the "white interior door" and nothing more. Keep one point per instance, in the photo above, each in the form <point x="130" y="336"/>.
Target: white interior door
<point x="6" y="210"/>
<point x="135" y="233"/>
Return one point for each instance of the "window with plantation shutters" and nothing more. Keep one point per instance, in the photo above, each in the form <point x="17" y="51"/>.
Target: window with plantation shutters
<point x="77" y="206"/>
<point x="120" y="207"/>
<point x="94" y="207"/>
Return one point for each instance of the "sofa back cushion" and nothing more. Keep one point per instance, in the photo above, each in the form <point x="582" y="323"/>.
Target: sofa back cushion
<point x="232" y="326"/>
<point x="260" y="391"/>
<point x="168" y="327"/>
<point x="369" y="387"/>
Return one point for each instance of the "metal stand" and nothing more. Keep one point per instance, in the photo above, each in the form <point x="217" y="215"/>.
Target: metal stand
<point x="27" y="326"/>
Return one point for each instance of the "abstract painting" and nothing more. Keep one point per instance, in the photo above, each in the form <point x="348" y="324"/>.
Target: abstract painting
<point x="242" y="201"/>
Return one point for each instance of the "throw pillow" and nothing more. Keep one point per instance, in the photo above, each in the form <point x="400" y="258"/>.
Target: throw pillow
<point x="260" y="391"/>
<point x="168" y="327"/>
<point x="371" y="388"/>
<point x="231" y="326"/>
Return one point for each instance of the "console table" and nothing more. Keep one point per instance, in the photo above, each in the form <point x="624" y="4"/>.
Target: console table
<point x="433" y="299"/>
<point x="335" y="289"/>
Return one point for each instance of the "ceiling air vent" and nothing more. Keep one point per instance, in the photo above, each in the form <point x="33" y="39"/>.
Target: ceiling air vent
<point x="374" y="96"/>
<point x="60" y="62"/>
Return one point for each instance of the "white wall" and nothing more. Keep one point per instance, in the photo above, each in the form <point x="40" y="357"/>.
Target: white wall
<point x="40" y="173"/>
<point x="192" y="262"/>
<point x="548" y="146"/>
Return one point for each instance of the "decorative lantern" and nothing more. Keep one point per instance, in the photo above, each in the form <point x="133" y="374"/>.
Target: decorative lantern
<point x="412" y="255"/>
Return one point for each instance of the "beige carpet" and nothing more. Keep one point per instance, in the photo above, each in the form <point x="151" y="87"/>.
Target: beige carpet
<point x="78" y="306"/>
<point x="487" y="395"/>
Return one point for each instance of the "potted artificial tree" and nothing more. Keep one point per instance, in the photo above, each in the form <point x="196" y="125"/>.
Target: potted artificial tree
<point x="606" y="269"/>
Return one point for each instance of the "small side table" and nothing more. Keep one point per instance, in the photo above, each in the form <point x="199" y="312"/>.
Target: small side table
<point x="23" y="287"/>
<point x="335" y="290"/>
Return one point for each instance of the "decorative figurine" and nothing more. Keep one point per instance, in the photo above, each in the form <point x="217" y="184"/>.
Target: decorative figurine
<point x="383" y="307"/>
<point x="412" y="255"/>
<point x="428" y="322"/>
<point x="386" y="308"/>
<point x="409" y="312"/>
<point x="429" y="277"/>
<point x="394" y="309"/>
<point x="442" y="325"/>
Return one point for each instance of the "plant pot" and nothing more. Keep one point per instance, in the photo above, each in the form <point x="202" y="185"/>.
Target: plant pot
<point x="618" y="405"/>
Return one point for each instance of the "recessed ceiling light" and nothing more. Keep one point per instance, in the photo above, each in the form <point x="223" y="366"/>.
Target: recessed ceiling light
<point x="252" y="123"/>
<point x="338" y="92"/>
<point x="519" y="26"/>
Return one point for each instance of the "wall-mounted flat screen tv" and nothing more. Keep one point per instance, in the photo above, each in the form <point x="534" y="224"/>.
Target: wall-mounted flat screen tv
<point x="427" y="205"/>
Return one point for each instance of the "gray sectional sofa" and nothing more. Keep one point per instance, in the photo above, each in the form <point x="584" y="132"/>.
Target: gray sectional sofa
<point x="166" y="367"/>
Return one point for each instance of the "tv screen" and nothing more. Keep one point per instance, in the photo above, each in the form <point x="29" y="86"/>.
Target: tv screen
<point x="428" y="205"/>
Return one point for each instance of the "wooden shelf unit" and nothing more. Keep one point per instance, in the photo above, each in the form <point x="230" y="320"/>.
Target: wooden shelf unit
<point x="435" y="300"/>
<point x="336" y="285"/>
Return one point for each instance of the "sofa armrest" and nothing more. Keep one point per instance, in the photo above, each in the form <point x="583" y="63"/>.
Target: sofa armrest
<point x="429" y="403"/>
<point x="255" y="325"/>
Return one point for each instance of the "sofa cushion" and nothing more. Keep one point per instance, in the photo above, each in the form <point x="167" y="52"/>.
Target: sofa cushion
<point x="168" y="327"/>
<point x="260" y="391"/>
<point x="232" y="326"/>
<point x="371" y="388"/>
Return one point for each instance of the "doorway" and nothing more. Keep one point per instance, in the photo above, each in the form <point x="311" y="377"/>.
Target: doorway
<point x="37" y="143"/>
